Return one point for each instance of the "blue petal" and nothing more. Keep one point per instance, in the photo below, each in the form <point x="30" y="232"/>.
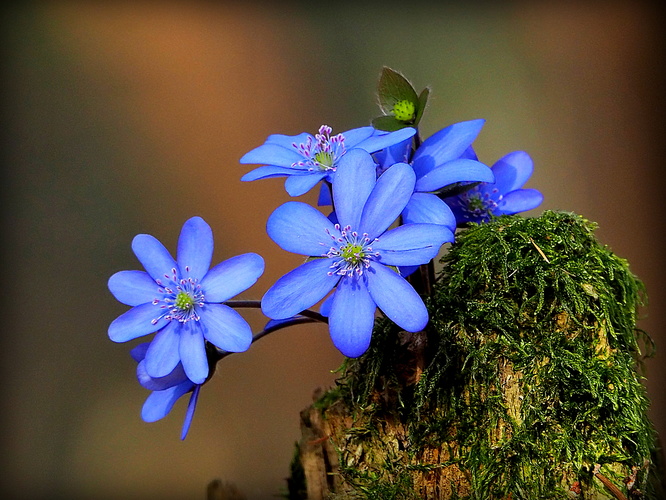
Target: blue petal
<point x="353" y="182"/>
<point x="512" y="171"/>
<point x="133" y="288"/>
<point x="225" y="328"/>
<point x="325" y="197"/>
<point x="153" y="256"/>
<point x="356" y="135"/>
<point x="448" y="144"/>
<point x="162" y="355"/>
<point x="352" y="317"/>
<point x="398" y="153"/>
<point x="388" y="198"/>
<point x="412" y="244"/>
<point x="192" y="350"/>
<point x="231" y="277"/>
<point x="300" y="228"/>
<point x="272" y="154"/>
<point x="519" y="200"/>
<point x="377" y="142"/>
<point x="452" y="172"/>
<point x="288" y="141"/>
<point x="189" y="414"/>
<point x="325" y="307"/>
<point x="195" y="248"/>
<point x="177" y="376"/>
<point x="426" y="207"/>
<point x="299" y="289"/>
<point x="159" y="403"/>
<point x="146" y="380"/>
<point x="396" y="298"/>
<point x="296" y="185"/>
<point x="333" y="218"/>
<point x="136" y="323"/>
<point x="138" y="352"/>
<point x="407" y="270"/>
<point x="271" y="171"/>
<point x="470" y="154"/>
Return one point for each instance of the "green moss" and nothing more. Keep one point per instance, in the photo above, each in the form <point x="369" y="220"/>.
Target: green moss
<point x="529" y="373"/>
<point x="327" y="398"/>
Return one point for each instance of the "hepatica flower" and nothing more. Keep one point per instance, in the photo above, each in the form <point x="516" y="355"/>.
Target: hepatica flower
<point x="166" y="390"/>
<point x="504" y="197"/>
<point x="441" y="161"/>
<point x="305" y="159"/>
<point x="357" y="256"/>
<point x="182" y="301"/>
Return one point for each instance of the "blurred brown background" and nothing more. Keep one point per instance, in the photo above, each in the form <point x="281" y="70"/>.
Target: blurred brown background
<point x="126" y="118"/>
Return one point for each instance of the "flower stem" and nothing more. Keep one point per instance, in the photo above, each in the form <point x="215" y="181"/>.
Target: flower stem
<point x="417" y="140"/>
<point x="306" y="316"/>
<point x="256" y="304"/>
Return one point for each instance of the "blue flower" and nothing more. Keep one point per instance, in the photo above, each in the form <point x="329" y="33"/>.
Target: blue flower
<point x="305" y="159"/>
<point x="504" y="197"/>
<point x="357" y="256"/>
<point x="182" y="301"/>
<point x="166" y="390"/>
<point x="443" y="160"/>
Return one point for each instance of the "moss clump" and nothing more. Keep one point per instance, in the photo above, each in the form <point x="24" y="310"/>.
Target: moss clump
<point x="526" y="378"/>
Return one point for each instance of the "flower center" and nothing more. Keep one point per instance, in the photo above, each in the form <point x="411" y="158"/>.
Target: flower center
<point x="404" y="110"/>
<point x="184" y="301"/>
<point x="180" y="298"/>
<point x="321" y="153"/>
<point x="475" y="204"/>
<point x="324" y="159"/>
<point x="351" y="252"/>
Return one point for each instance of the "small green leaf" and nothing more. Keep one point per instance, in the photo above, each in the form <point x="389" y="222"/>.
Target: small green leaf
<point x="423" y="101"/>
<point x="388" y="123"/>
<point x="392" y="88"/>
<point x="395" y="269"/>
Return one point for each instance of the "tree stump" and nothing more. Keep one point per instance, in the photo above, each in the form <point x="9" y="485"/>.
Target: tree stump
<point x="525" y="385"/>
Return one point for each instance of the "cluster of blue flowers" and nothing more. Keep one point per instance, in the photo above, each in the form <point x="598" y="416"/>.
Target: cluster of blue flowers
<point x="394" y="202"/>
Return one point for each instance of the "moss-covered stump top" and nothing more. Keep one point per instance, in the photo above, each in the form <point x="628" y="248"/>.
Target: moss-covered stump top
<point x="525" y="382"/>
